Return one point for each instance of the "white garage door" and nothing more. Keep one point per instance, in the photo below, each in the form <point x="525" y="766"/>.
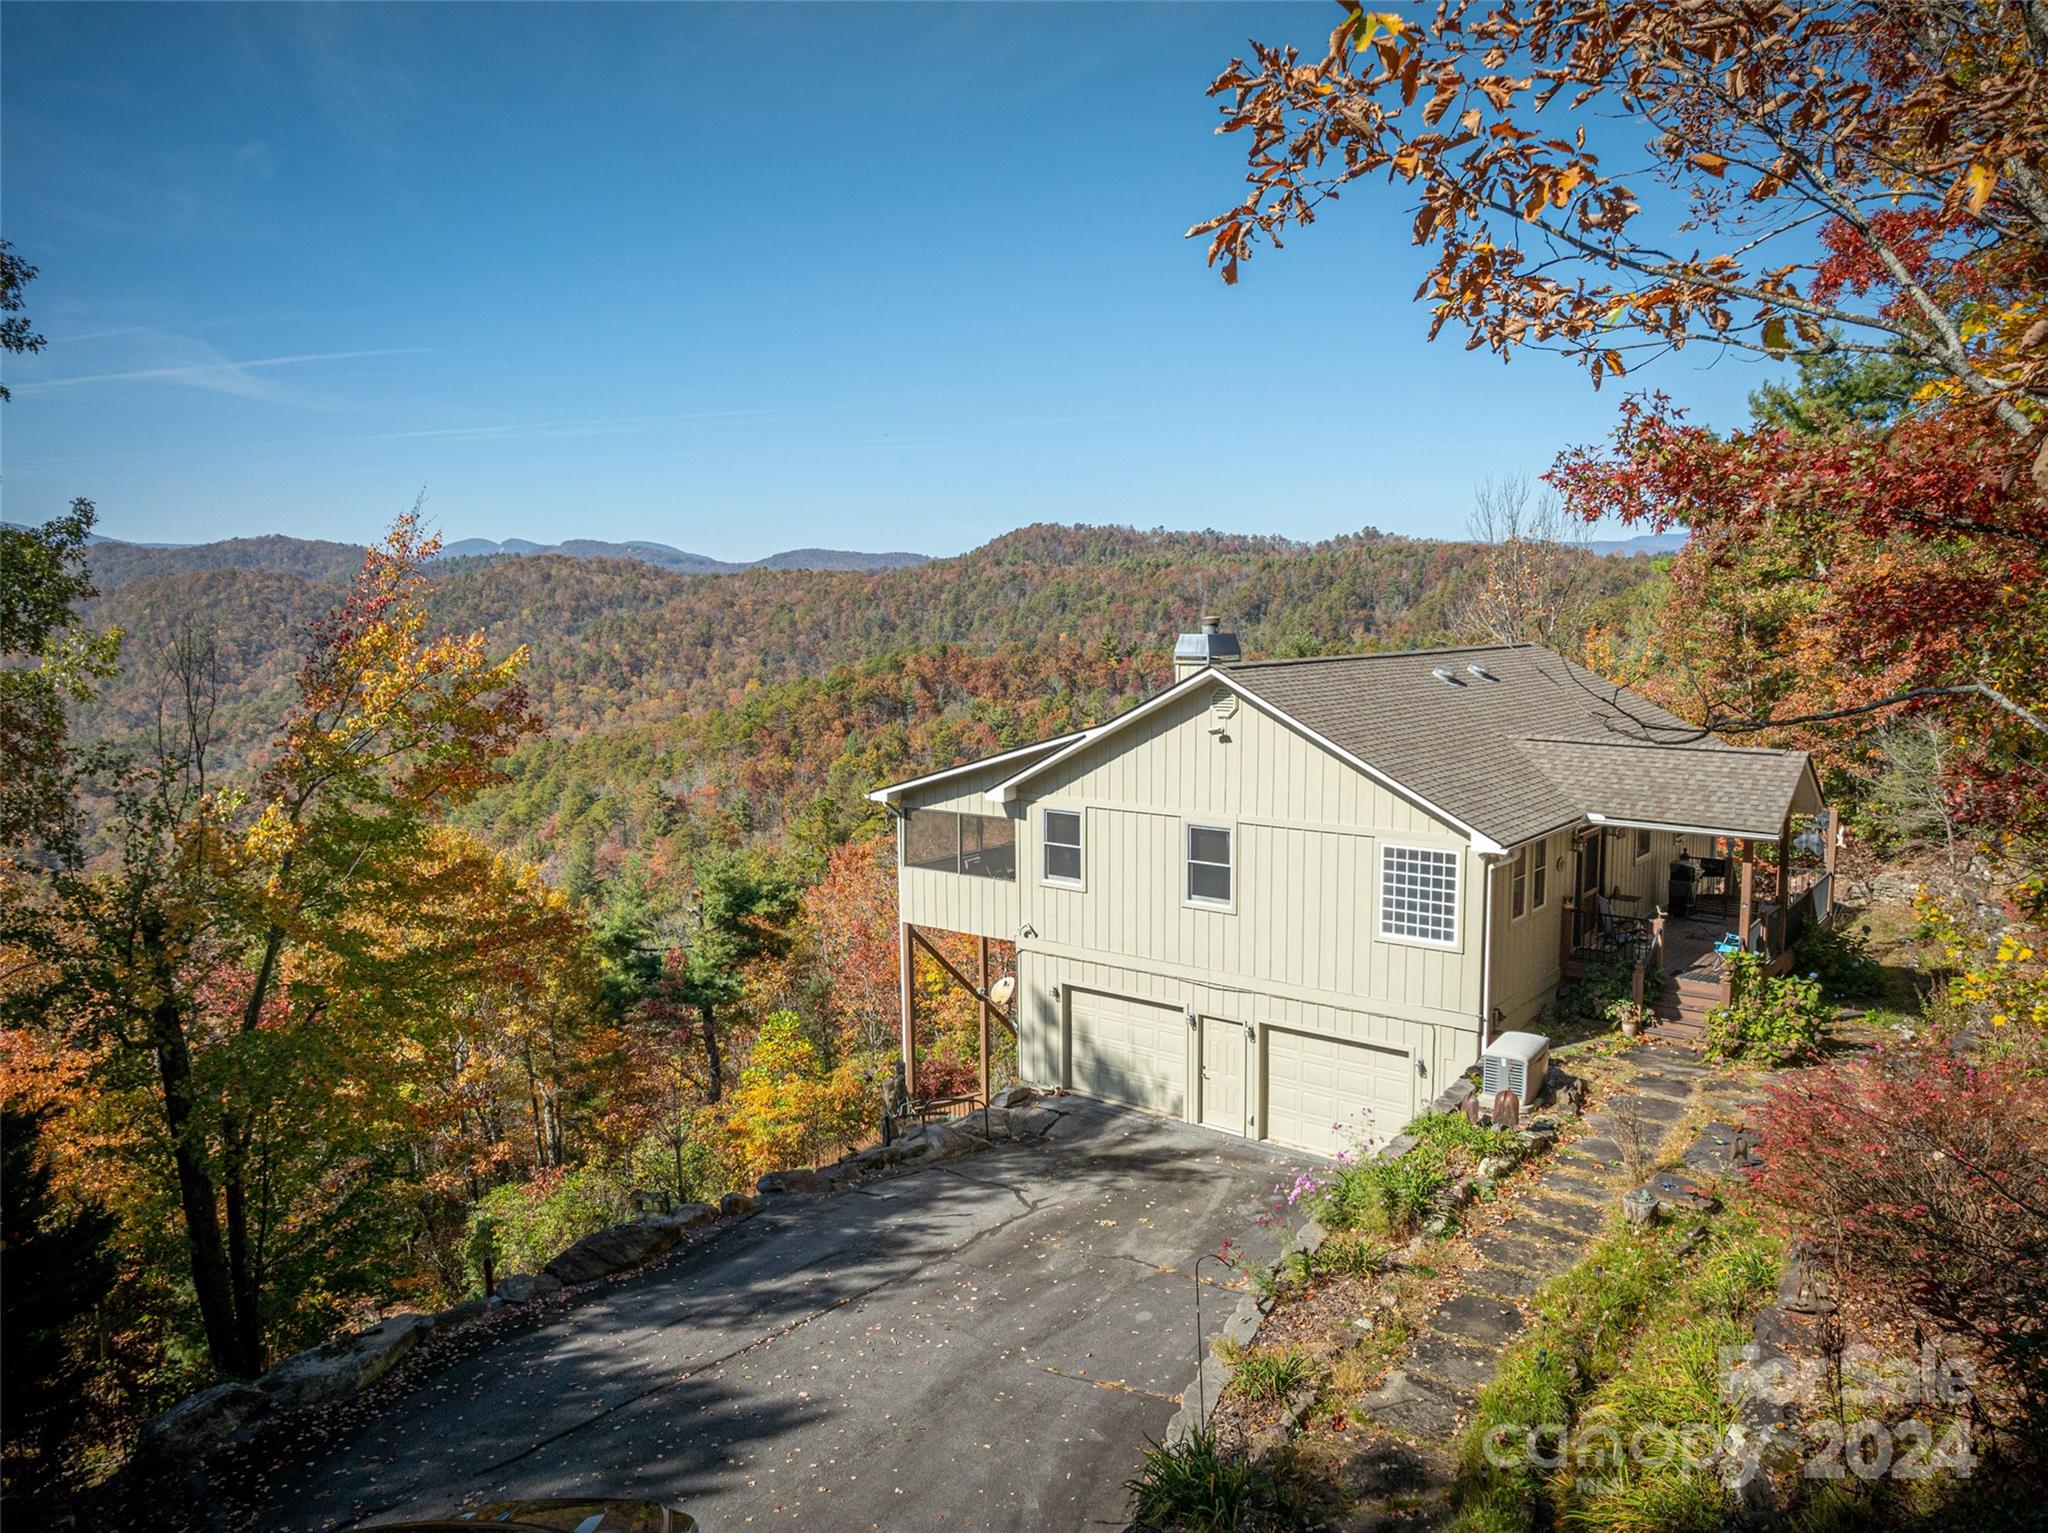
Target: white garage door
<point x="1129" y="1051"/>
<point x="1324" y="1094"/>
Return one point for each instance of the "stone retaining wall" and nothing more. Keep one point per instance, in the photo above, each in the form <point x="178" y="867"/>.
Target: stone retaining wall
<point x="350" y="1364"/>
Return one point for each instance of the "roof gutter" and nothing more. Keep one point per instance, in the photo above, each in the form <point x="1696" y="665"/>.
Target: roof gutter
<point x="1617" y="823"/>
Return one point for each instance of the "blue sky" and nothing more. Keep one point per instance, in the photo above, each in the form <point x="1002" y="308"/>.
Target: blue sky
<point x="735" y="279"/>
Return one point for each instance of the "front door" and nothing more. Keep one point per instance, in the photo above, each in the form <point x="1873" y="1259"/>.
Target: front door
<point x="1225" y="1048"/>
<point x="1590" y="854"/>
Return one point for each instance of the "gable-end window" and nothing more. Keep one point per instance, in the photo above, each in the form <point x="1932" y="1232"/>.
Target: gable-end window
<point x="1061" y="832"/>
<point x="1419" y="894"/>
<point x="1642" y="845"/>
<point x="978" y="845"/>
<point x="1519" y="881"/>
<point x="1539" y="875"/>
<point x="1209" y="864"/>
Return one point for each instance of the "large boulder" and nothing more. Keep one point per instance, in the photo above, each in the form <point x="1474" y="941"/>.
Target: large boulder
<point x="950" y="1139"/>
<point x="1012" y="1096"/>
<point x="614" y="1250"/>
<point x="202" y="1421"/>
<point x="687" y="1217"/>
<point x="525" y="1287"/>
<point x="344" y="1365"/>
<point x="779" y="1183"/>
<point x="733" y="1204"/>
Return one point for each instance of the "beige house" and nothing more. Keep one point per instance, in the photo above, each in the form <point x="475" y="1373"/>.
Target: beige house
<point x="1294" y="899"/>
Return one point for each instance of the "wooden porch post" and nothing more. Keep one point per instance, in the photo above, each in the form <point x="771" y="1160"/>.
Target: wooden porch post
<point x="1746" y="851"/>
<point x="1783" y="919"/>
<point x="904" y="961"/>
<point x="984" y="1021"/>
<point x="1828" y="841"/>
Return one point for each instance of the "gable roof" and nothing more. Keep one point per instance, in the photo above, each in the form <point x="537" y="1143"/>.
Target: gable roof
<point x="1022" y="756"/>
<point x="1505" y="749"/>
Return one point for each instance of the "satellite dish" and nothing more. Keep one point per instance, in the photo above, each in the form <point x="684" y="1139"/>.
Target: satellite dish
<point x="1001" y="991"/>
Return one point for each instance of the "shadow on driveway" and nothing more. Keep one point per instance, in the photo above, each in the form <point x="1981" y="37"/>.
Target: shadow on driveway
<point x="987" y="1343"/>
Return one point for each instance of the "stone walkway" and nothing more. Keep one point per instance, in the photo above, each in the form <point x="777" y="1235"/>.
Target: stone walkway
<point x="1551" y="1218"/>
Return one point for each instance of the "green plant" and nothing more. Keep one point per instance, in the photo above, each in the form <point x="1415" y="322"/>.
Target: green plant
<point x="1384" y="1197"/>
<point x="1629" y="1016"/>
<point x="533" y="1222"/>
<point x="1770" y="1020"/>
<point x="1348" y="1255"/>
<point x="1452" y="1132"/>
<point x="1272" y="1374"/>
<point x="1839" y="957"/>
<point x="1192" y="1484"/>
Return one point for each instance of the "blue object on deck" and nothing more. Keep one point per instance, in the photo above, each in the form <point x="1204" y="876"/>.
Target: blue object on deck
<point x="1728" y="945"/>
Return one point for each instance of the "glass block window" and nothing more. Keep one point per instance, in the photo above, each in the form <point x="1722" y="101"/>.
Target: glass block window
<point x="1209" y="864"/>
<point x="1419" y="894"/>
<point x="1062" y="832"/>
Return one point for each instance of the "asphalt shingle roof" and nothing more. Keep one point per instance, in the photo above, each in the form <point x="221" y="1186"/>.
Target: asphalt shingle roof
<point x="1527" y="743"/>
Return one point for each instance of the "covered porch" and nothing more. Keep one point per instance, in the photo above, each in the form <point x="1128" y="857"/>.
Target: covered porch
<point x="1707" y="892"/>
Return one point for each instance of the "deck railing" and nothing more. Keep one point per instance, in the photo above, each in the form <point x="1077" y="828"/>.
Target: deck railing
<point x="1596" y="937"/>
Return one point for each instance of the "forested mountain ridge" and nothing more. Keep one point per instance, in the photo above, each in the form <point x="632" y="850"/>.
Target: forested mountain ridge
<point x="1080" y="619"/>
<point x="114" y="560"/>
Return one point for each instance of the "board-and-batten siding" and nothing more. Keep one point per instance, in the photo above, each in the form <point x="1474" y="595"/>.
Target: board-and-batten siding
<point x="1308" y="831"/>
<point x="955" y="902"/>
<point x="1525" y="952"/>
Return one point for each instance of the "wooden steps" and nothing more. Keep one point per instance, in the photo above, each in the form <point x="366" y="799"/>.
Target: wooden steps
<point x="1680" y="1013"/>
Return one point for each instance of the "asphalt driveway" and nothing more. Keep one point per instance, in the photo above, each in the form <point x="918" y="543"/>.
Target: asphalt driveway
<point x="987" y="1343"/>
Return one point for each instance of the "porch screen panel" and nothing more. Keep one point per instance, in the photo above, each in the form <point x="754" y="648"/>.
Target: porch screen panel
<point x="931" y="839"/>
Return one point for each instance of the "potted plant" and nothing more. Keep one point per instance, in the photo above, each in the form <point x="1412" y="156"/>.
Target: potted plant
<point x="1629" y="1016"/>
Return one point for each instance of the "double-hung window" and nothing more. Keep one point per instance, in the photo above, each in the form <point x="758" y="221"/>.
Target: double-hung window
<point x="1419" y="895"/>
<point x="1539" y="874"/>
<point x="1518" y="880"/>
<point x="1060" y="832"/>
<point x="1642" y="845"/>
<point x="1209" y="874"/>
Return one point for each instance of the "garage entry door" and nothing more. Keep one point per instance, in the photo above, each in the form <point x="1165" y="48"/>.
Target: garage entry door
<point x="1129" y="1051"/>
<point x="1315" y="1084"/>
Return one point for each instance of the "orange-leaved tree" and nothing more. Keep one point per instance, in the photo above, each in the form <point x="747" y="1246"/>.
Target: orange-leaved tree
<point x="226" y="941"/>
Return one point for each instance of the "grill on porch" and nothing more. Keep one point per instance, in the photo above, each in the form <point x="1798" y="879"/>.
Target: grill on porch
<point x="1726" y="902"/>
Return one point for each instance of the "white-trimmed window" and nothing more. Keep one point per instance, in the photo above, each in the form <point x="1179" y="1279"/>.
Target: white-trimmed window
<point x="1539" y="875"/>
<point x="1642" y="844"/>
<point x="1060" y="861"/>
<point x="1209" y="872"/>
<point x="1518" y="881"/>
<point x="1419" y="895"/>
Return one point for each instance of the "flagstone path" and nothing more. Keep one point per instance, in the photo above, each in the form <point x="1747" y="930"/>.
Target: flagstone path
<point x="1403" y="1471"/>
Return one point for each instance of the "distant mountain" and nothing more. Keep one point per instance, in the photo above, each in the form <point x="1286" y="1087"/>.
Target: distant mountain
<point x="114" y="562"/>
<point x="1642" y="544"/>
<point x="682" y="561"/>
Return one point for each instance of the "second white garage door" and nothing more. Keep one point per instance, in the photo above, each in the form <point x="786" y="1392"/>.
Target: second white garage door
<point x="1324" y="1094"/>
<point x="1129" y="1051"/>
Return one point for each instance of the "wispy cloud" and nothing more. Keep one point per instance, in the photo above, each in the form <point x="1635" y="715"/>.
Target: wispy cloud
<point x="223" y="376"/>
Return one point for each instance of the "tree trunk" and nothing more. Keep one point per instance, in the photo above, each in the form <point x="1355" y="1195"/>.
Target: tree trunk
<point x="714" y="1088"/>
<point x="241" y="1259"/>
<point x="211" y="1282"/>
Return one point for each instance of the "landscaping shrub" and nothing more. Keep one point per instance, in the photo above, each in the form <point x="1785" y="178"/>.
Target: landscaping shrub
<point x="1770" y="1020"/>
<point x="1839" y="957"/>
<point x="1383" y="1197"/>
<point x="1193" y="1485"/>
<point x="1928" y="1174"/>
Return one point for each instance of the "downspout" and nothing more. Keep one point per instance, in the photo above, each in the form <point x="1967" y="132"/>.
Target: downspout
<point x="1486" y="959"/>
